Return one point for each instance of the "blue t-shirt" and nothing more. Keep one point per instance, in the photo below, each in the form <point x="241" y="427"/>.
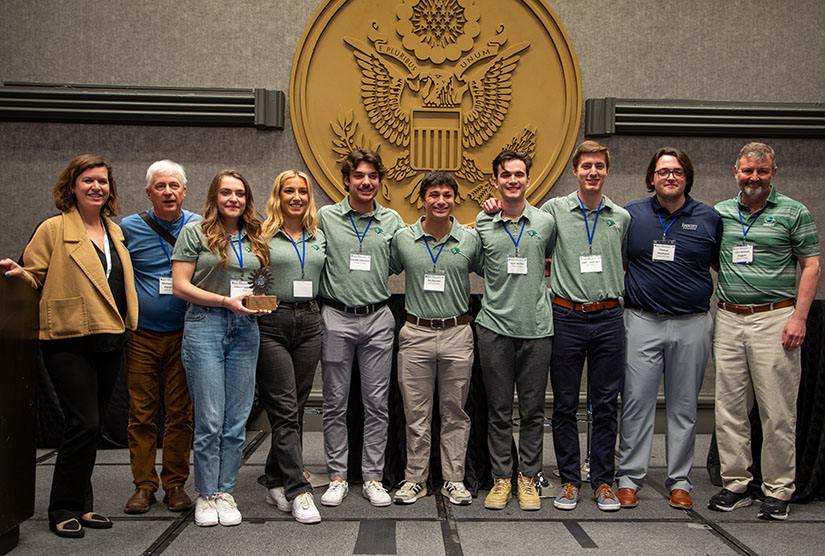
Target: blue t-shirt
<point x="151" y="259"/>
<point x="683" y="285"/>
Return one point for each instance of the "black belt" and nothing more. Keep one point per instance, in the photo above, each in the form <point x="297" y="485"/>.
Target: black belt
<point x="297" y="304"/>
<point x="440" y="324"/>
<point x="361" y="310"/>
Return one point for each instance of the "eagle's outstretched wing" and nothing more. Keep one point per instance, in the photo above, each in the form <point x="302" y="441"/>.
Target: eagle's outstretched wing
<point x="381" y="95"/>
<point x="491" y="97"/>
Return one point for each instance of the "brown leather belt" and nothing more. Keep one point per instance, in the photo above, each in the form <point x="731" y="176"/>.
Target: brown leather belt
<point x="362" y="310"/>
<point x="440" y="324"/>
<point x="586" y="307"/>
<point x="751" y="309"/>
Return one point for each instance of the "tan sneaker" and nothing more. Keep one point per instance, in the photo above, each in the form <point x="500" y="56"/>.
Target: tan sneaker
<point x="528" y="497"/>
<point x="499" y="495"/>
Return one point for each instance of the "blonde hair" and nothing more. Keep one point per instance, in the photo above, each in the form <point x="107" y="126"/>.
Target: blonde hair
<point x="274" y="215"/>
<point x="214" y="230"/>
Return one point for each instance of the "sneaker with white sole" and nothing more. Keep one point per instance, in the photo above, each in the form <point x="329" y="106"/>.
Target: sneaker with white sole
<point x="606" y="498"/>
<point x="567" y="498"/>
<point x="228" y="513"/>
<point x="375" y="492"/>
<point x="304" y="510"/>
<point x="457" y="493"/>
<point x="206" y="514"/>
<point x="275" y="497"/>
<point x="409" y="493"/>
<point x="337" y="490"/>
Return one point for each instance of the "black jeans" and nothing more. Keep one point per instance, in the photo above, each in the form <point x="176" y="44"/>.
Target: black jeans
<point x="289" y="355"/>
<point x="598" y="337"/>
<point x="83" y="382"/>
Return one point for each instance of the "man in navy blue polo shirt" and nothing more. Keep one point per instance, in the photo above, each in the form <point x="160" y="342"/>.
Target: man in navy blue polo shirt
<point x="672" y="242"/>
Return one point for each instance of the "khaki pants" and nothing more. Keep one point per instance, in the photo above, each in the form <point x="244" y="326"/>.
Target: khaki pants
<point x="153" y="361"/>
<point x="427" y="356"/>
<point x="751" y="363"/>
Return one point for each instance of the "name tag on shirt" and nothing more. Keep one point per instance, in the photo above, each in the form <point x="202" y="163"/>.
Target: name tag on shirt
<point x="590" y="263"/>
<point x="516" y="265"/>
<point x="743" y="254"/>
<point x="165" y="285"/>
<point x="302" y="288"/>
<point x="239" y="287"/>
<point x="664" y="250"/>
<point x="434" y="282"/>
<point x="359" y="261"/>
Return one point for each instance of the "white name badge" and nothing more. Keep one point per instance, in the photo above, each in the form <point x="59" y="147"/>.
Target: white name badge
<point x="165" y="285"/>
<point x="434" y="282"/>
<point x="743" y="254"/>
<point x="302" y="288"/>
<point x="239" y="287"/>
<point x="664" y="250"/>
<point x="590" y="263"/>
<point x="359" y="261"/>
<point x="516" y="265"/>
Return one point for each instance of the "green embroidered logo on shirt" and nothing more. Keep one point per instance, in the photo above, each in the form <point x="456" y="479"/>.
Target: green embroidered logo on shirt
<point x="317" y="248"/>
<point x="379" y="231"/>
<point x="611" y="223"/>
<point x="531" y="233"/>
<point x="455" y="250"/>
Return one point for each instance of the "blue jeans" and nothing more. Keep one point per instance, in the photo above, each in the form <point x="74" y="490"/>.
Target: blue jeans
<point x="219" y="352"/>
<point x="598" y="337"/>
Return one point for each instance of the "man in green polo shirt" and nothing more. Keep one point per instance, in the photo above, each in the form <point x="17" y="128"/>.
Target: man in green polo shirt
<point x="587" y="279"/>
<point x="515" y="329"/>
<point x="759" y="328"/>
<point x="436" y="343"/>
<point x="355" y="318"/>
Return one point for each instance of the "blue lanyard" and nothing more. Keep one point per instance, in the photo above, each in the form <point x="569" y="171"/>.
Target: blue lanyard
<point x="755" y="218"/>
<point x="360" y="237"/>
<point x="303" y="247"/>
<point x="431" y="251"/>
<point x="515" y="241"/>
<point x="239" y="251"/>
<point x="163" y="243"/>
<point x="596" y="221"/>
<point x="664" y="230"/>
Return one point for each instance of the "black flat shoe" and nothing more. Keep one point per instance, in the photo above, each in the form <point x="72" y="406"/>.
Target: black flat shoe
<point x="96" y="521"/>
<point x="69" y="529"/>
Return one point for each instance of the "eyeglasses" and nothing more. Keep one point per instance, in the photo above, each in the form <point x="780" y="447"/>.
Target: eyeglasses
<point x="664" y="172"/>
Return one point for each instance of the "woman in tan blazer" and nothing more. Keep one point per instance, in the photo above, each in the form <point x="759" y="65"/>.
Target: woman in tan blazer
<point x="87" y="302"/>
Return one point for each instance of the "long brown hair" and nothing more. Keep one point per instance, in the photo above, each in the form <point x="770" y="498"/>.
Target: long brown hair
<point x="214" y="230"/>
<point x="274" y="216"/>
<point x="62" y="194"/>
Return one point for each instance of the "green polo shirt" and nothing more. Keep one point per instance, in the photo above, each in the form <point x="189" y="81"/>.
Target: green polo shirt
<point x="609" y="241"/>
<point x="516" y="305"/>
<point x="456" y="254"/>
<point x="355" y="288"/>
<point x="779" y="233"/>
<point x="285" y="263"/>
<point x="209" y="274"/>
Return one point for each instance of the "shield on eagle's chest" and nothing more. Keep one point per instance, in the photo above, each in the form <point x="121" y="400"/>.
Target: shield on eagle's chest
<point x="435" y="139"/>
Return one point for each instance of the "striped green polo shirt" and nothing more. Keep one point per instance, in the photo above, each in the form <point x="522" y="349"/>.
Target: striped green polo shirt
<point x="779" y="232"/>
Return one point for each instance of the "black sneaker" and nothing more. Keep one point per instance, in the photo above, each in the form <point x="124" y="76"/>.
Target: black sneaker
<point x="726" y="500"/>
<point x="773" y="508"/>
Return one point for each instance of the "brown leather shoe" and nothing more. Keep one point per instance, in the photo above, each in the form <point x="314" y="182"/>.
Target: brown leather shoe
<point x="680" y="499"/>
<point x="177" y="500"/>
<point x="627" y="498"/>
<point x="140" y="501"/>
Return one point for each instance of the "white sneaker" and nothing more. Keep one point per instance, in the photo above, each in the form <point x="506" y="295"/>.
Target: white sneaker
<point x="457" y="493"/>
<point x="304" y="510"/>
<point x="338" y="488"/>
<point x="228" y="513"/>
<point x="206" y="514"/>
<point x="276" y="497"/>
<point x="375" y="492"/>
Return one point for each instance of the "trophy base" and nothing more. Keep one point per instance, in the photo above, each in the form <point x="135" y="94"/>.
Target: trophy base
<point x="261" y="302"/>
